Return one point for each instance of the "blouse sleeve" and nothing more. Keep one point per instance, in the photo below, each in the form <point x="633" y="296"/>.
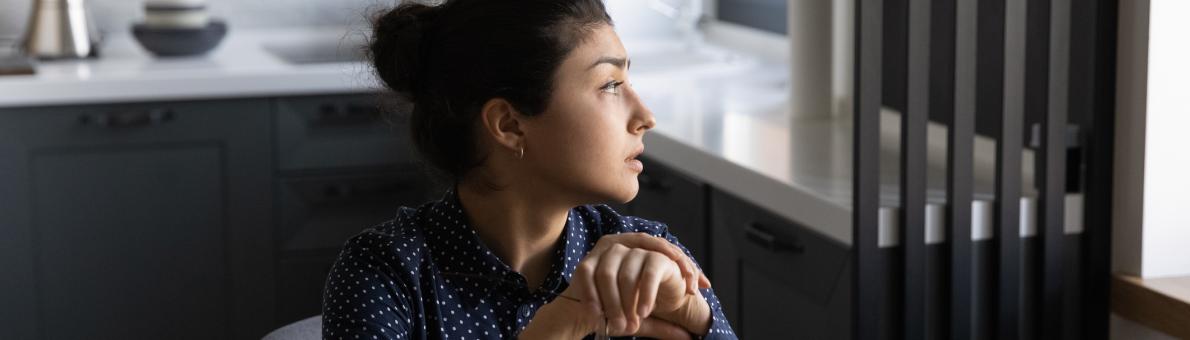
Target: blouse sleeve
<point x="362" y="300"/>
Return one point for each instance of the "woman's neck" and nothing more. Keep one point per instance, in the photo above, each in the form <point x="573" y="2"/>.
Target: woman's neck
<point x="520" y="227"/>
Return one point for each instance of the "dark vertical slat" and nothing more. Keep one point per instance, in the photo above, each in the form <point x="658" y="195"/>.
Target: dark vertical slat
<point x="1082" y="84"/>
<point x="894" y="57"/>
<point x="892" y="276"/>
<point x="913" y="169"/>
<point x="866" y="172"/>
<point x="989" y="107"/>
<point x="942" y="80"/>
<point x="960" y="139"/>
<point x="1099" y="151"/>
<point x="1037" y="51"/>
<point x="983" y="284"/>
<point x="1053" y="176"/>
<point x="1030" y="309"/>
<point x="1074" y="296"/>
<point x="937" y="321"/>
<point x="1008" y="173"/>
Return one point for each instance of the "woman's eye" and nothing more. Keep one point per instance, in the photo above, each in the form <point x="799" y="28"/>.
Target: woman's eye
<point x="612" y="87"/>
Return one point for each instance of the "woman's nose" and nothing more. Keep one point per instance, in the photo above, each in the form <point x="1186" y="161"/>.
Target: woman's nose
<point x="642" y="117"/>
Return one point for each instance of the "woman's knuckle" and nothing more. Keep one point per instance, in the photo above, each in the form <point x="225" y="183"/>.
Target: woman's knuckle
<point x="624" y="280"/>
<point x="649" y="274"/>
<point x="638" y="252"/>
<point x="605" y="273"/>
<point x="585" y="268"/>
<point x="656" y="256"/>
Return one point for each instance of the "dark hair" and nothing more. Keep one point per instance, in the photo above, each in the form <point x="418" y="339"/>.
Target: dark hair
<point x="450" y="59"/>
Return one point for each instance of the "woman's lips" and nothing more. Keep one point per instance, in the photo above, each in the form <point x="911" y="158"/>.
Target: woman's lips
<point x="636" y="165"/>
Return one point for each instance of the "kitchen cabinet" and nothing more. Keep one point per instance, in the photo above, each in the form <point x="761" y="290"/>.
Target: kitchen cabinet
<point x="148" y="220"/>
<point x="318" y="214"/>
<point x="197" y="219"/>
<point x="340" y="131"/>
<point x="775" y="278"/>
<point x="345" y="164"/>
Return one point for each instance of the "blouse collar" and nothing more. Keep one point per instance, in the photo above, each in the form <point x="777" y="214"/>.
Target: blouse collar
<point x="468" y="265"/>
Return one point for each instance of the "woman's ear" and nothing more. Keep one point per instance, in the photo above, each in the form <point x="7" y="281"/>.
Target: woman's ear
<point x="502" y="122"/>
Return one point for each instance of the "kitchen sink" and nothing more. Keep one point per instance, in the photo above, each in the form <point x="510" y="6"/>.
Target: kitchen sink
<point x="318" y="51"/>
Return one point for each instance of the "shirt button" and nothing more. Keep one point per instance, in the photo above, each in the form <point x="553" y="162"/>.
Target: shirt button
<point x="524" y="310"/>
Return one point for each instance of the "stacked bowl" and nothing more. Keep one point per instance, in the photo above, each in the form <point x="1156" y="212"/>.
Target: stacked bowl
<point x="178" y="28"/>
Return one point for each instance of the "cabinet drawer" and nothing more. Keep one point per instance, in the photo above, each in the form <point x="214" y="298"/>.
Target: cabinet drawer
<point x="807" y="261"/>
<point x="128" y="123"/>
<point x="322" y="212"/>
<point x="774" y="276"/>
<point x="319" y="132"/>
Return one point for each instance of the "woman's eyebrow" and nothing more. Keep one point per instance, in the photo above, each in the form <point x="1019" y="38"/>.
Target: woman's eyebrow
<point x="623" y="63"/>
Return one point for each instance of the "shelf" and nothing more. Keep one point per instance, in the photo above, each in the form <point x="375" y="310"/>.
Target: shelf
<point x="1162" y="303"/>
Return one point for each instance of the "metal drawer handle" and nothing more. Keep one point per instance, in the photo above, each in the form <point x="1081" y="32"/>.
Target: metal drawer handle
<point x="129" y="119"/>
<point x="335" y="115"/>
<point x="758" y="235"/>
<point x="352" y="190"/>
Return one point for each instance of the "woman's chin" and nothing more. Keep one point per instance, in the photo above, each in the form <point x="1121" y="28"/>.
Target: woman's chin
<point x="623" y="192"/>
<point x="630" y="191"/>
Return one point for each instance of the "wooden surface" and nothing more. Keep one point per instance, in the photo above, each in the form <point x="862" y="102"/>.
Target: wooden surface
<point x="1163" y="303"/>
<point x="12" y="64"/>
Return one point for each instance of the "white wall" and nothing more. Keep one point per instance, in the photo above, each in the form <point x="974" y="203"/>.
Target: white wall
<point x="1152" y="221"/>
<point x="1166" y="244"/>
<point x="1151" y="218"/>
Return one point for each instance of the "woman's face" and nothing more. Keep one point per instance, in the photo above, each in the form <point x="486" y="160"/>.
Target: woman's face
<point x="587" y="140"/>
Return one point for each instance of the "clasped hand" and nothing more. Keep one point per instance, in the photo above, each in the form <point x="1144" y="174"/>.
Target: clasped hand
<point x="643" y="285"/>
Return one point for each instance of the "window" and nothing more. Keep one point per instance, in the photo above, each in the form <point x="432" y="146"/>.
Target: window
<point x="768" y="15"/>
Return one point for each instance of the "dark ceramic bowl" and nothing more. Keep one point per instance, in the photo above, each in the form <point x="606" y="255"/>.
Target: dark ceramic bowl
<point x="171" y="42"/>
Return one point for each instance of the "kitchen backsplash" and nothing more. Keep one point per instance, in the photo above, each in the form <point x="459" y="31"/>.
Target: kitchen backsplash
<point x="116" y="16"/>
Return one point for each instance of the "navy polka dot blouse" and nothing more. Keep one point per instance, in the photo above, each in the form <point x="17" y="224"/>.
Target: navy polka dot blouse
<point x="427" y="275"/>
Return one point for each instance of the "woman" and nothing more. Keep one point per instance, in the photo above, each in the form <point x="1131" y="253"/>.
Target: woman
<point x="525" y="107"/>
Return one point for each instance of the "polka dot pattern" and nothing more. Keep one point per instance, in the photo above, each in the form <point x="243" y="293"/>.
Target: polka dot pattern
<point x="426" y="274"/>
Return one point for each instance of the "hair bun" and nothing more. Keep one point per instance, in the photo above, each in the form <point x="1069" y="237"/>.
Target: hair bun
<point x="396" y="46"/>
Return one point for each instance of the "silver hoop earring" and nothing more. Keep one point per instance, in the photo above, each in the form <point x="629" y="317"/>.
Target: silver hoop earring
<point x="522" y="155"/>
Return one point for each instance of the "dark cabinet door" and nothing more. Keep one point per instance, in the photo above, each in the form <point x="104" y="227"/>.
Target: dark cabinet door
<point x="301" y="278"/>
<point x="136" y="221"/>
<point x="677" y="200"/>
<point x="776" y="279"/>
<point x="318" y="215"/>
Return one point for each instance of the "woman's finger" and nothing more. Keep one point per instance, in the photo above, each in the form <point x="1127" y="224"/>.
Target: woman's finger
<point x="661" y="329"/>
<point x="607" y="285"/>
<point x="651" y="275"/>
<point x="627" y="281"/>
<point x="703" y="281"/>
<point x="690" y="271"/>
<point x="584" y="280"/>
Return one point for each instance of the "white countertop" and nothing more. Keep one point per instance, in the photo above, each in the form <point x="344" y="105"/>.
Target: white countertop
<point x="238" y="67"/>
<point x="723" y="118"/>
